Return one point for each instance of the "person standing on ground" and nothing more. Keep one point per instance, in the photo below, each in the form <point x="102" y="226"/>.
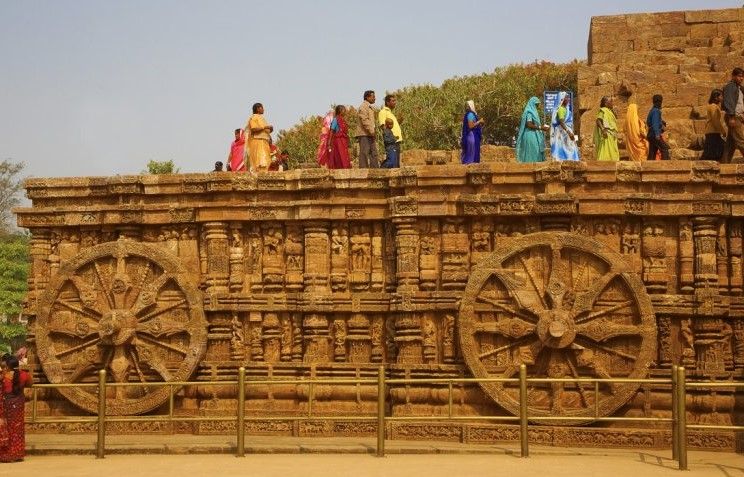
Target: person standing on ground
<point x="605" y="132"/>
<point x="387" y="113"/>
<point x="472" y="131"/>
<point x="392" y="152"/>
<point x="715" y="128"/>
<point x="531" y="138"/>
<point x="339" y="157"/>
<point x="12" y="382"/>
<point x="733" y="107"/>
<point x="365" y="132"/>
<point x="324" y="145"/>
<point x="236" y="158"/>
<point x="656" y="125"/>
<point x="259" y="137"/>
<point x="562" y="139"/>
<point x="635" y="134"/>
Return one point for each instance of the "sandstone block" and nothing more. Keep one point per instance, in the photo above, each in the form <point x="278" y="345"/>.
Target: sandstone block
<point x="713" y="16"/>
<point x="674" y="29"/>
<point x="673" y="43"/>
<point x="703" y="30"/>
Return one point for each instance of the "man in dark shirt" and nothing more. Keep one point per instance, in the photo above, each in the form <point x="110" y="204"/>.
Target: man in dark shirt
<point x="733" y="107"/>
<point x="656" y="125"/>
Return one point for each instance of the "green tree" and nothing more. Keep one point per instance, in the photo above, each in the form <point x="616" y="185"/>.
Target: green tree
<point x="10" y="186"/>
<point x="432" y="115"/>
<point x="14" y="266"/>
<point x="161" y="167"/>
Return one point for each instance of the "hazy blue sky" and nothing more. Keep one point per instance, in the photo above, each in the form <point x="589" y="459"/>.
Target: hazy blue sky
<point x="100" y="87"/>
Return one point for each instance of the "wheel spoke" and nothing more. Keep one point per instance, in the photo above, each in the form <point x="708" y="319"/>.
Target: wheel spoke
<point x="163" y="345"/>
<point x="589" y="343"/>
<point x="79" y="347"/>
<point x="575" y="374"/>
<point x="145" y="274"/>
<point x="602" y="330"/>
<point x="140" y="374"/>
<point x="540" y="293"/>
<point x="510" y="327"/>
<point x="160" y="311"/>
<point x="90" y="313"/>
<point x="505" y="308"/>
<point x="514" y="343"/>
<point x="597" y="314"/>
<point x="105" y="289"/>
<point x="585" y="300"/>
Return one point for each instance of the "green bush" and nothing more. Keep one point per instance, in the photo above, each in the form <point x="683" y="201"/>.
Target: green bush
<point x="14" y="265"/>
<point x="432" y="115"/>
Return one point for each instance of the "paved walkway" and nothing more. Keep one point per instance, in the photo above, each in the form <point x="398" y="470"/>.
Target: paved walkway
<point x="549" y="462"/>
<point x="134" y="456"/>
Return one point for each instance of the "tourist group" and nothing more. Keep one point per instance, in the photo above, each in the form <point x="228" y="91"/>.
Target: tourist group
<point x="645" y="140"/>
<point x="253" y="150"/>
<point x="12" y="402"/>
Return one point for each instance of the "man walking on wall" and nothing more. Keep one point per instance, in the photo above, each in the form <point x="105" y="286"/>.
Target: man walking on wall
<point x="386" y="113"/>
<point x="656" y="125"/>
<point x="365" y="132"/>
<point x="733" y="108"/>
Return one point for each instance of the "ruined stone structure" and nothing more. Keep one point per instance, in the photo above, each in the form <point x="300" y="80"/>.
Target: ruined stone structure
<point x="681" y="55"/>
<point x="574" y="269"/>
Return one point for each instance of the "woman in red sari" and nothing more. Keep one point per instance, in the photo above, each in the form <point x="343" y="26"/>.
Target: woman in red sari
<point x="13" y="401"/>
<point x="339" y="141"/>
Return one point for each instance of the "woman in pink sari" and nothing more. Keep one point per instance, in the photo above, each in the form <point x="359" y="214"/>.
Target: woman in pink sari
<point x="324" y="147"/>
<point x="339" y="141"/>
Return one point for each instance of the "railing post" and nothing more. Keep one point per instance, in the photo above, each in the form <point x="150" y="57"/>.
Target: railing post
<point x="381" y="412"/>
<point x="681" y="418"/>
<point x="523" y="436"/>
<point x="675" y="435"/>
<point x="101" y="442"/>
<point x="240" y="425"/>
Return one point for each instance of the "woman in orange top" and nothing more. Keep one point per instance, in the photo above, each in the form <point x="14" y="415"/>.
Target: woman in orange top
<point x="715" y="128"/>
<point x="635" y="134"/>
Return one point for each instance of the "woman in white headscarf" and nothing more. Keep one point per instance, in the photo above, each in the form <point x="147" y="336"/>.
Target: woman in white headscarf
<point x="471" y="135"/>
<point x="562" y="139"/>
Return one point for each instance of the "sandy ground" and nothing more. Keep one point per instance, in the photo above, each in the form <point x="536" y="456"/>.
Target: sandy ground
<point x="546" y="461"/>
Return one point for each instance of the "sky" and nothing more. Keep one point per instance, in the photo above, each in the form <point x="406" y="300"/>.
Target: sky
<point x="100" y="87"/>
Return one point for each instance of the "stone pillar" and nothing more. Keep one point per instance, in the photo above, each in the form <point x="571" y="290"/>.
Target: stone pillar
<point x="297" y="337"/>
<point x="735" y="253"/>
<point x="218" y="269"/>
<point x="722" y="258"/>
<point x="455" y="251"/>
<point x="271" y="337"/>
<point x="273" y="257"/>
<point x="686" y="256"/>
<point x="655" y="273"/>
<point x="361" y="257"/>
<point x="295" y="259"/>
<point x="358" y="337"/>
<point x="38" y="277"/>
<point x="237" y="271"/>
<point x="316" y="333"/>
<point x="317" y="258"/>
<point x="406" y="245"/>
<point x="377" y="278"/>
<point x="705" y="234"/>
<point x="339" y="257"/>
<point x="429" y="246"/>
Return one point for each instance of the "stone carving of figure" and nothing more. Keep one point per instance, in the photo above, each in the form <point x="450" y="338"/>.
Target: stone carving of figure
<point x="360" y="255"/>
<point x="237" y="338"/>
<point x="688" y="343"/>
<point x="338" y="242"/>
<point x="272" y="242"/>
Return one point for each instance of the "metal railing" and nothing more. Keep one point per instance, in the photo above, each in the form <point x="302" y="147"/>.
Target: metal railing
<point x="678" y="421"/>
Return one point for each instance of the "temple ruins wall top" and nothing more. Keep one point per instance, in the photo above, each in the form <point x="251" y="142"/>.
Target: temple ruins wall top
<point x="682" y="55"/>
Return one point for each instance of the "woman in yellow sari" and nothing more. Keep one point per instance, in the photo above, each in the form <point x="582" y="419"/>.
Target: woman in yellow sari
<point x="605" y="132"/>
<point x="259" y="132"/>
<point x="635" y="134"/>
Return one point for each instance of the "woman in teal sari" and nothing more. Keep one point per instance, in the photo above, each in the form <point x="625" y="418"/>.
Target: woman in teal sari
<point x="531" y="140"/>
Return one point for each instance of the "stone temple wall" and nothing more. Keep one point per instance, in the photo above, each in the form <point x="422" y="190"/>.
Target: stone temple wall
<point x="573" y="269"/>
<point x="681" y="55"/>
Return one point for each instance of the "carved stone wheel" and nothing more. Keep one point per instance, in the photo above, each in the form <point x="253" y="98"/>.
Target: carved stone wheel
<point x="566" y="306"/>
<point x="124" y="306"/>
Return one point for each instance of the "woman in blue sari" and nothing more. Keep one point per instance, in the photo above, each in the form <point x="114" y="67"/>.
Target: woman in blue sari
<point x="531" y="139"/>
<point x="471" y="135"/>
<point x="562" y="139"/>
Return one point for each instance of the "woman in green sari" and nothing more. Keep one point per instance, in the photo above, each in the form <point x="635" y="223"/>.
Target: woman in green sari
<point x="531" y="138"/>
<point x="605" y="132"/>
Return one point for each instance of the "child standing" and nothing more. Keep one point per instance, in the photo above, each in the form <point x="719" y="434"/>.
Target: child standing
<point x="392" y="147"/>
